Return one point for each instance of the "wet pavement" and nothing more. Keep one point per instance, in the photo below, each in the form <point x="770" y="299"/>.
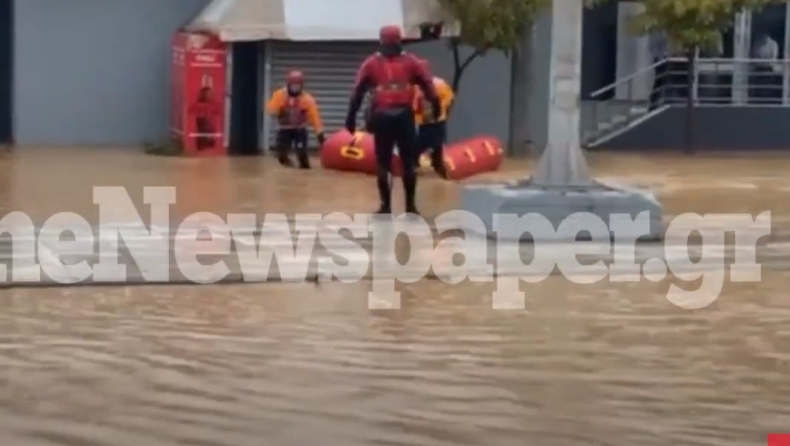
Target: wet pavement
<point x="301" y="364"/>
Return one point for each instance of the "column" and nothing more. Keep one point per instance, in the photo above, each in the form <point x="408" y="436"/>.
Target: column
<point x="740" y="77"/>
<point x="785" y="56"/>
<point x="633" y="55"/>
<point x="536" y="67"/>
<point x="563" y="163"/>
<point x="266" y="68"/>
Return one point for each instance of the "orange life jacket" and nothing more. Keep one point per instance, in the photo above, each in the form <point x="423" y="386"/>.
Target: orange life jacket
<point x="293" y="114"/>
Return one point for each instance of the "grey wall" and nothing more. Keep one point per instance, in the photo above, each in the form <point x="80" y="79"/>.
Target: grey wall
<point x="537" y="61"/>
<point x="483" y="102"/>
<point x="508" y="96"/>
<point x="94" y="72"/>
<point x="530" y="78"/>
<point x="6" y="81"/>
<point x="717" y="128"/>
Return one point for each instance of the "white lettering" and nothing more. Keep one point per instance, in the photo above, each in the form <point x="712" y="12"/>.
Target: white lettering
<point x="356" y="259"/>
<point x="748" y="232"/>
<point x="568" y="262"/>
<point x="51" y="247"/>
<point x="148" y="249"/>
<point x="23" y="254"/>
<point x="710" y="267"/>
<point x="187" y="247"/>
<point x="626" y="233"/>
<point x="474" y="249"/>
<point x="276" y="241"/>
<point x="386" y="267"/>
<point x="507" y="295"/>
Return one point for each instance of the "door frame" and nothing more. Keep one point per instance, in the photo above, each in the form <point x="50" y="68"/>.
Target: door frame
<point x="7" y="107"/>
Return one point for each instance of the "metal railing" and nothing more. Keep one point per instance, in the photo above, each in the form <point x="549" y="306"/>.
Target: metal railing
<point x="714" y="81"/>
<point x="717" y="81"/>
<point x="619" y="103"/>
<point x="628" y="81"/>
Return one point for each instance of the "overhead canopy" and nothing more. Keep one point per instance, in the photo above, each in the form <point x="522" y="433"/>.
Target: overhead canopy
<point x="317" y="20"/>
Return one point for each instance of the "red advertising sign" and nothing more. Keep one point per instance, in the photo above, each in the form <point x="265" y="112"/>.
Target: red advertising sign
<point x="778" y="439"/>
<point x="197" y="119"/>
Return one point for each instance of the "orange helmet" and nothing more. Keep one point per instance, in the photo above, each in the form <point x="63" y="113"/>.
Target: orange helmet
<point x="295" y="78"/>
<point x="390" y="35"/>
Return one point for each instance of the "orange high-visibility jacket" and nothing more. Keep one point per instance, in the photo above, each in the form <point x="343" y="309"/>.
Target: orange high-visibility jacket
<point x="422" y="107"/>
<point x="295" y="112"/>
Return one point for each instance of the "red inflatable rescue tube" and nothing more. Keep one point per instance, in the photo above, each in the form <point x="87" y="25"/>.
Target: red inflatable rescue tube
<point x="472" y="157"/>
<point x="347" y="153"/>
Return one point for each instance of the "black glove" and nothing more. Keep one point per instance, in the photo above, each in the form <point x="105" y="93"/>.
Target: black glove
<point x="321" y="138"/>
<point x="351" y="123"/>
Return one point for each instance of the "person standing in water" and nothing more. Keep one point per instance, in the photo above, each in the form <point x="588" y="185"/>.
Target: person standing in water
<point x="294" y="109"/>
<point x="432" y="133"/>
<point x="391" y="74"/>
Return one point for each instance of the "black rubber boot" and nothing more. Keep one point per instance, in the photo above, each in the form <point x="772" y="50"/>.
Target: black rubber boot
<point x="410" y="191"/>
<point x="304" y="160"/>
<point x="385" y="194"/>
<point x="283" y="158"/>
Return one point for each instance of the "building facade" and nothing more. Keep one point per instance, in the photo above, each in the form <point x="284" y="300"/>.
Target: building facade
<point x="95" y="72"/>
<point x="482" y="106"/>
<point x="92" y="72"/>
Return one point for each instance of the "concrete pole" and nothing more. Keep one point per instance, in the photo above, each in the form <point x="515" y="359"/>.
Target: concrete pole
<point x="561" y="186"/>
<point x="563" y="163"/>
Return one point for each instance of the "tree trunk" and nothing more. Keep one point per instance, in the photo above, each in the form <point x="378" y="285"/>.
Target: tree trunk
<point x="520" y="138"/>
<point x="460" y="67"/>
<point x="690" y="130"/>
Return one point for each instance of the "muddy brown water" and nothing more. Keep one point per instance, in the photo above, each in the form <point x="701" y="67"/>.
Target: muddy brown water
<point x="305" y="364"/>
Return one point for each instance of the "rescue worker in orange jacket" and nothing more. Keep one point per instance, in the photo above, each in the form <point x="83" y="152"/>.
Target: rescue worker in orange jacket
<point x="432" y="125"/>
<point x="390" y="74"/>
<point x="294" y="109"/>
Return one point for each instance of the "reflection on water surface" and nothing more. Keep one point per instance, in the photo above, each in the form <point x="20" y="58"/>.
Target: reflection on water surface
<point x="604" y="364"/>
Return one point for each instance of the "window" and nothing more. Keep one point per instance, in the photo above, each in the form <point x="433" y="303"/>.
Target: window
<point x="769" y="23"/>
<point x="767" y="44"/>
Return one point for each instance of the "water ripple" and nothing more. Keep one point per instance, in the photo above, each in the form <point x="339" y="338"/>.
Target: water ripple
<point x="300" y="364"/>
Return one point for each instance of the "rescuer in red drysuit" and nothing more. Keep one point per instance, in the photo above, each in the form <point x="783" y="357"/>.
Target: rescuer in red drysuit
<point x="391" y="74"/>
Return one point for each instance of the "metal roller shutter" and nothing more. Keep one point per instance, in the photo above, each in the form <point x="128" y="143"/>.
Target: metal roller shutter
<point x="329" y="69"/>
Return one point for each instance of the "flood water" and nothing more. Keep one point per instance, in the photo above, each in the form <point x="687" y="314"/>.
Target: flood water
<point x="307" y="364"/>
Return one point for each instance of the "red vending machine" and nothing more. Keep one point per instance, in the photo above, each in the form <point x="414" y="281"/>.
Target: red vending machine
<point x="197" y="118"/>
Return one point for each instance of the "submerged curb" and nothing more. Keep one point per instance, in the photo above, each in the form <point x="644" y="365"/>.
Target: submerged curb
<point x="295" y="272"/>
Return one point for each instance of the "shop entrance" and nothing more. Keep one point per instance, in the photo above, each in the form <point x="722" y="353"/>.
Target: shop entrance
<point x="244" y="114"/>
<point x="6" y="70"/>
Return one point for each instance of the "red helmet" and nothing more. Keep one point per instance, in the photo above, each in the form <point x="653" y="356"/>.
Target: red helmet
<point x="295" y="78"/>
<point x="390" y="35"/>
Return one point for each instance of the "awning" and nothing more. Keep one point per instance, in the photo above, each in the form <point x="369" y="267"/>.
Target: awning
<point x="317" y="20"/>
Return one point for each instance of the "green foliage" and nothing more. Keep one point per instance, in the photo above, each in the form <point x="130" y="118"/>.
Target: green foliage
<point x="690" y="24"/>
<point x="493" y="23"/>
<point x="486" y="24"/>
<point x="168" y="148"/>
